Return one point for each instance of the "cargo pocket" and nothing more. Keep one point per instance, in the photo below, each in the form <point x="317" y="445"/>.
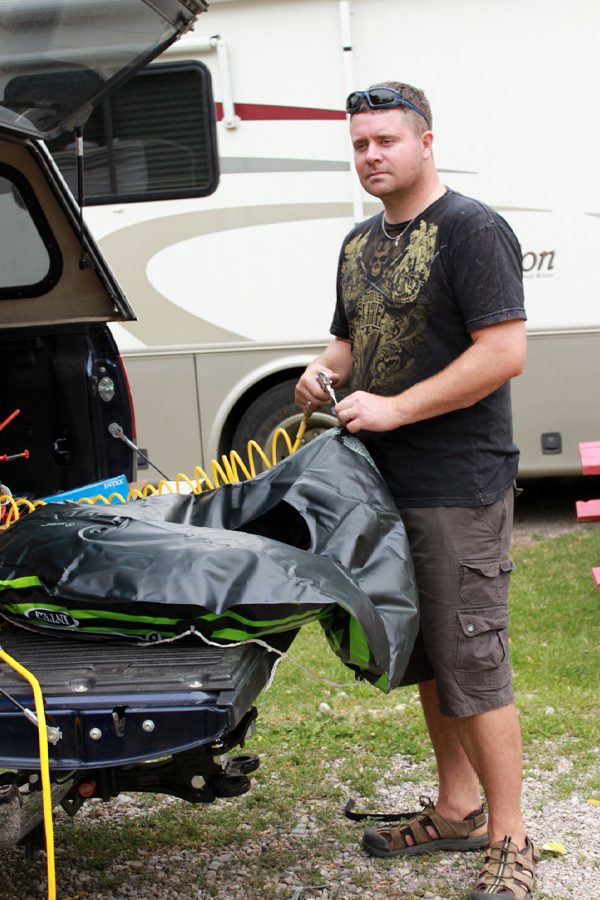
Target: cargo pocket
<point x="482" y="649"/>
<point x="484" y="581"/>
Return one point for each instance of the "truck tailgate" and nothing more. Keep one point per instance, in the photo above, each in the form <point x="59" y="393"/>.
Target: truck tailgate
<point x="117" y="703"/>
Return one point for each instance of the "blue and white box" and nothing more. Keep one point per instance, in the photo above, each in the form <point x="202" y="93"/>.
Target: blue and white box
<point x="116" y="485"/>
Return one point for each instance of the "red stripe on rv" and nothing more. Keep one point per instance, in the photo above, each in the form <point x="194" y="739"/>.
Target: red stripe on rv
<point x="258" y="111"/>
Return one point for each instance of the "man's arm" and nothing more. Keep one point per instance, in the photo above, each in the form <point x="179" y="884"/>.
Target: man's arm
<point x="336" y="361"/>
<point x="496" y="355"/>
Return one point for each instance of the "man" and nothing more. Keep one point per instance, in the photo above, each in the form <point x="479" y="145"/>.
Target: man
<point x="428" y="330"/>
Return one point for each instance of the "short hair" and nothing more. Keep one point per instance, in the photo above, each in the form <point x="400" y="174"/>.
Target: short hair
<point x="414" y="95"/>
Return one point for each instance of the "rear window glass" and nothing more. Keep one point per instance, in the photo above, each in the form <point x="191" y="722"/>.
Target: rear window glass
<point x="30" y="261"/>
<point x="153" y="139"/>
<point x="59" y="56"/>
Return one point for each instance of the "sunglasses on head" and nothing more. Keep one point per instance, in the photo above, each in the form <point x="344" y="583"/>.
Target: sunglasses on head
<point x="379" y="98"/>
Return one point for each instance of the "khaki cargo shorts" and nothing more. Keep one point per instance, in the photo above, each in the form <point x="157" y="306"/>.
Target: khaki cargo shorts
<point x="462" y="569"/>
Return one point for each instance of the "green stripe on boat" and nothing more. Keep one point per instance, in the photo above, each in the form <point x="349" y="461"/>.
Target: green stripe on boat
<point x="88" y="615"/>
<point x="16" y="583"/>
<point x="255" y="623"/>
<point x="359" y="649"/>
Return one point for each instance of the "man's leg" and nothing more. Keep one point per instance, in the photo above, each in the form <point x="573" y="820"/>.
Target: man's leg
<point x="458" y="781"/>
<point x="482" y="748"/>
<point x="462" y="569"/>
<point x="492" y="742"/>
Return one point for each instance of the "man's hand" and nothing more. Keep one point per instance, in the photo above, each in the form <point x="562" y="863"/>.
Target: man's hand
<point x="310" y="394"/>
<point x="335" y="362"/>
<point x="369" y="411"/>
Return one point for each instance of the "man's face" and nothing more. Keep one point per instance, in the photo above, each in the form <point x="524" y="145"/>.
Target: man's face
<point x="388" y="154"/>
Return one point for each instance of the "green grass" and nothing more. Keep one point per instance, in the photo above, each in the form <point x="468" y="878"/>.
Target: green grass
<point x="555" y="651"/>
<point x="555" y="646"/>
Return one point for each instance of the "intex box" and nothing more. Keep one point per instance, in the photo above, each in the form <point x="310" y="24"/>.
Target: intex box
<point x="116" y="485"/>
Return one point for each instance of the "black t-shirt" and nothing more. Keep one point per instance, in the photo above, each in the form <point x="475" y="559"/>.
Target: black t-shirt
<point x="408" y="311"/>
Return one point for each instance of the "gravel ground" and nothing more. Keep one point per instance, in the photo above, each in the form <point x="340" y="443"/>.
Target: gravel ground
<point x="572" y="822"/>
<point x="544" y="510"/>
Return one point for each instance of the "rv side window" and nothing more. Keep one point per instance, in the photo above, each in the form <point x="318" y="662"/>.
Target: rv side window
<point x="153" y="139"/>
<point x="30" y="261"/>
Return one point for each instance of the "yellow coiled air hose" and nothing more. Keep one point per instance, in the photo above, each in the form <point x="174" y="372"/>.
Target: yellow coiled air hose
<point x="225" y="472"/>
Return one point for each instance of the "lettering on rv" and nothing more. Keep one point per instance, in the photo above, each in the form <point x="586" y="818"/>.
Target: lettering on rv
<point x="538" y="265"/>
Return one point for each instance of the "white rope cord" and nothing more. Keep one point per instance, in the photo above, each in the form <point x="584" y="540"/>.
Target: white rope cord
<point x="280" y="653"/>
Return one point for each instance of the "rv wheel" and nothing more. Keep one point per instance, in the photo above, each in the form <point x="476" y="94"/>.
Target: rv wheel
<point x="274" y="409"/>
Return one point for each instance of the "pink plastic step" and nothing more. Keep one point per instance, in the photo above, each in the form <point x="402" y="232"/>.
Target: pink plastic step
<point x="588" y="510"/>
<point x="596" y="577"/>
<point x="589" y="451"/>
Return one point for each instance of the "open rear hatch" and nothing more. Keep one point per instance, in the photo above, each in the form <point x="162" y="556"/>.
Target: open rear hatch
<point x="60" y="58"/>
<point x="60" y="364"/>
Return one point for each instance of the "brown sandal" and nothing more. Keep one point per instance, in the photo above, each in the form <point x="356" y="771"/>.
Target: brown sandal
<point x="507" y="873"/>
<point x="390" y="840"/>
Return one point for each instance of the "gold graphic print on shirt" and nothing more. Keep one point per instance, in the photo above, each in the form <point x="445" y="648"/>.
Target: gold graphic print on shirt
<point x="386" y="303"/>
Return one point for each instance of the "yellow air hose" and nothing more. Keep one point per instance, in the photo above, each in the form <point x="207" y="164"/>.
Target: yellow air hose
<point x="44" y="767"/>
<point x="225" y="472"/>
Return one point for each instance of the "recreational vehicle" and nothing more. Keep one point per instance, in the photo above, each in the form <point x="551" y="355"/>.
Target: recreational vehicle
<point x="220" y="186"/>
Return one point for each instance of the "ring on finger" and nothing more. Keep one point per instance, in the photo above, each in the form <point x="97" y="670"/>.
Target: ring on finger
<point x="308" y="405"/>
<point x="347" y="416"/>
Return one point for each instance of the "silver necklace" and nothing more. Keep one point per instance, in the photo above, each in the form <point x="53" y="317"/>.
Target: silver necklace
<point x="396" y="239"/>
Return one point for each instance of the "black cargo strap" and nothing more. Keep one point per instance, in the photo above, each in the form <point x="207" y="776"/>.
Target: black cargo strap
<point x="381" y="817"/>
